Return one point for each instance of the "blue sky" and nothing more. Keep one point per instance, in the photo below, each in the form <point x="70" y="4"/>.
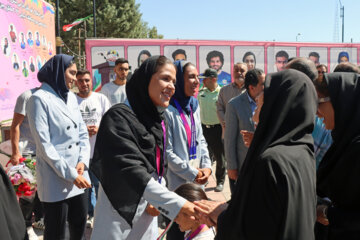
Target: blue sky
<point x="254" y="20"/>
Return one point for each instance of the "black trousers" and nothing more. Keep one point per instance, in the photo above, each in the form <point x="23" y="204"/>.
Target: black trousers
<point x="74" y="210"/>
<point x="212" y="135"/>
<point x="28" y="207"/>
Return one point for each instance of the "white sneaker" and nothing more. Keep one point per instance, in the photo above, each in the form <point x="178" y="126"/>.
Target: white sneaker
<point x="90" y="222"/>
<point x="39" y="224"/>
<point x="31" y="233"/>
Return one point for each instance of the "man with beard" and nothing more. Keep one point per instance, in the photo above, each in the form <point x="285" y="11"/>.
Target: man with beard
<point x="115" y="91"/>
<point x="230" y="91"/>
<point x="93" y="106"/>
<point x="215" y="60"/>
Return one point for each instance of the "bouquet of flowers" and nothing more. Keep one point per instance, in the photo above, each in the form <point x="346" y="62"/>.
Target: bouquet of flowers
<point x="23" y="177"/>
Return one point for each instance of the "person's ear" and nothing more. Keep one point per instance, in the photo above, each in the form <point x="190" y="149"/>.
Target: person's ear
<point x="251" y="88"/>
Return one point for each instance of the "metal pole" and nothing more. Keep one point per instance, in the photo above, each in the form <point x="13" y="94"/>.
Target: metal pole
<point x="79" y="31"/>
<point x="94" y="15"/>
<point x="343" y="15"/>
<point x="58" y="49"/>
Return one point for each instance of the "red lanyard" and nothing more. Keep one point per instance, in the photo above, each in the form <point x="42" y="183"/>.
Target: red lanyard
<point x="190" y="132"/>
<point x="158" y="160"/>
<point x="196" y="232"/>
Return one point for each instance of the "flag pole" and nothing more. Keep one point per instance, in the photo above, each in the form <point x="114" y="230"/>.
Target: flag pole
<point x="58" y="48"/>
<point x="94" y="13"/>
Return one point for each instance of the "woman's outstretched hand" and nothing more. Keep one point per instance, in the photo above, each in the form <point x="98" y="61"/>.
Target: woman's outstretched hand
<point x="208" y="211"/>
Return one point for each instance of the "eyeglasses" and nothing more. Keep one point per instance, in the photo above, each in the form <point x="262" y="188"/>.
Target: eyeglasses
<point x="319" y="72"/>
<point x="322" y="100"/>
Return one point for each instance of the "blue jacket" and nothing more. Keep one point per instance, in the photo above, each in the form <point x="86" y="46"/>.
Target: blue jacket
<point x="62" y="141"/>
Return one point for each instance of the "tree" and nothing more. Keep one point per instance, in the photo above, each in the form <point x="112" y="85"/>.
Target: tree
<point x="114" y="19"/>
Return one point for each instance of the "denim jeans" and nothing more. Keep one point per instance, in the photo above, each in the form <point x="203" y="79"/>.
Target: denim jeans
<point x="93" y="192"/>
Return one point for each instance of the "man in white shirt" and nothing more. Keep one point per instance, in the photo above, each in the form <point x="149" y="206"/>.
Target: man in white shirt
<point x="93" y="106"/>
<point x="115" y="90"/>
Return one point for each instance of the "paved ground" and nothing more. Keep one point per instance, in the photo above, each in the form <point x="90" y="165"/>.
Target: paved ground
<point x="216" y="196"/>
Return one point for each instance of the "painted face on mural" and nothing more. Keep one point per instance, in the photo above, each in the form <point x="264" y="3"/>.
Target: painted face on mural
<point x="315" y="60"/>
<point x="280" y="63"/>
<point x="215" y="63"/>
<point x="180" y="56"/>
<point x="344" y="59"/>
<point x="250" y="62"/>
<point x="143" y="57"/>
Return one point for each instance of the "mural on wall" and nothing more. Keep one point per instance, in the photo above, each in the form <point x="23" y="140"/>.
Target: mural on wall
<point x="138" y="54"/>
<point x="253" y="56"/>
<point x="103" y="62"/>
<point x="218" y="58"/>
<point x="278" y="57"/>
<point x="316" y="54"/>
<point x="181" y="52"/>
<point x="24" y="24"/>
<point x="220" y="55"/>
<point x="339" y="55"/>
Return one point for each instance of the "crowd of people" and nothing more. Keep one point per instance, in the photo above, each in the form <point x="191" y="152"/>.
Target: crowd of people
<point x="144" y="146"/>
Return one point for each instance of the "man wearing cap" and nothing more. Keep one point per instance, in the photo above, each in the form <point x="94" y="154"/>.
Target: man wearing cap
<point x="211" y="126"/>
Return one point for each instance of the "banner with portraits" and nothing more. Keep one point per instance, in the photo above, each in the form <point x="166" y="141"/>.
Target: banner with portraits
<point x="27" y="38"/>
<point x="219" y="55"/>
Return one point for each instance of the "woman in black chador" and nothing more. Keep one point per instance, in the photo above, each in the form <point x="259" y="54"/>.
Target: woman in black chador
<point x="338" y="176"/>
<point x="275" y="193"/>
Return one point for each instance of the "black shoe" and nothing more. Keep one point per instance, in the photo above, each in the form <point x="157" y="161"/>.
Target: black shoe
<point x="219" y="187"/>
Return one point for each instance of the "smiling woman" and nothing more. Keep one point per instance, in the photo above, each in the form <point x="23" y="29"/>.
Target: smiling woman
<point x="63" y="143"/>
<point x="130" y="150"/>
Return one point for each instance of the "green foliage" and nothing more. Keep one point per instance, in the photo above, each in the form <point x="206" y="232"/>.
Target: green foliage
<point x="114" y="19"/>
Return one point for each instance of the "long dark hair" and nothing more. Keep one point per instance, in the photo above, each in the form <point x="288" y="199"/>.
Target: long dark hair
<point x="191" y="192"/>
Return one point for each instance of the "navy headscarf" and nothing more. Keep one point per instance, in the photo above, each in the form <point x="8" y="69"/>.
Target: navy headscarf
<point x="187" y="103"/>
<point x="53" y="73"/>
<point x="343" y="54"/>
